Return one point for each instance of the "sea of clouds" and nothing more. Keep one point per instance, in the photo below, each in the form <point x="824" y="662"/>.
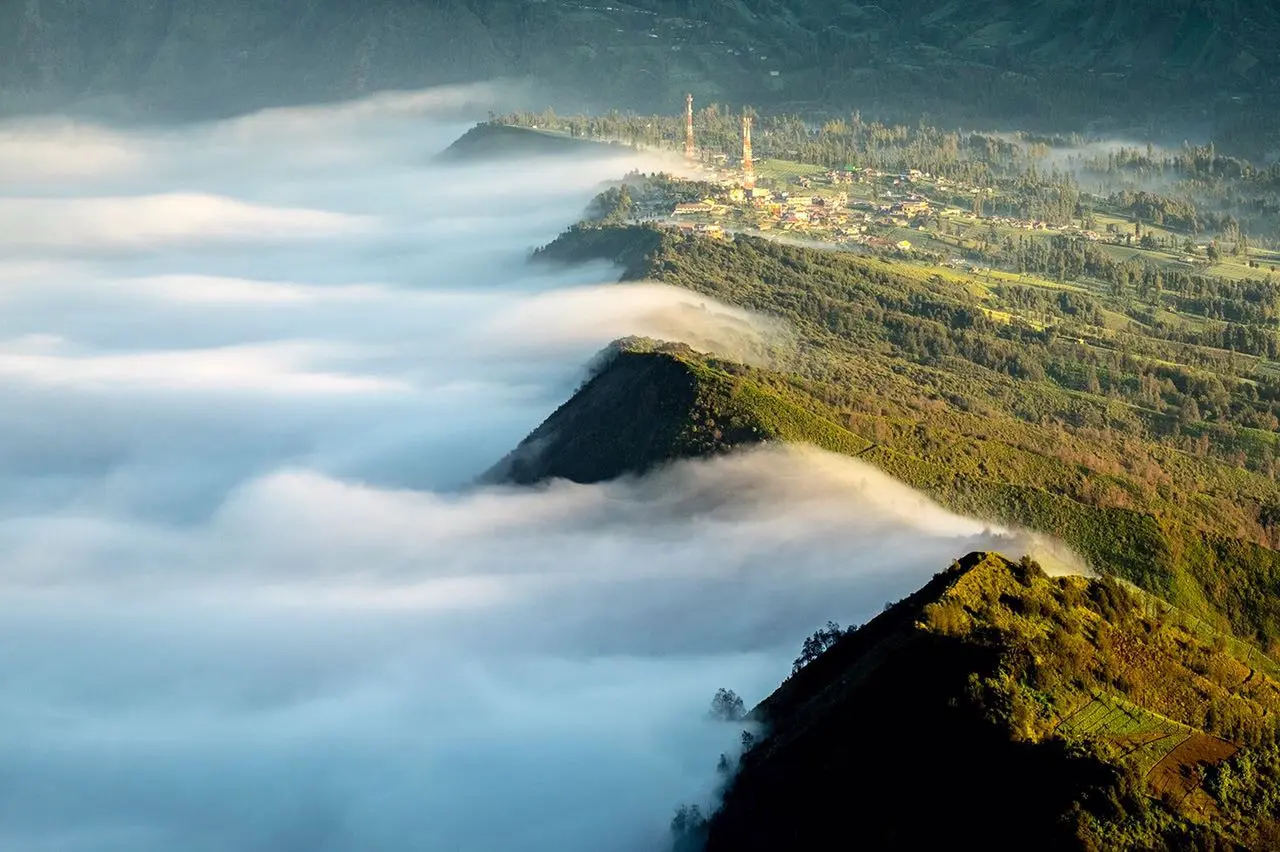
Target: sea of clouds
<point x="249" y="599"/>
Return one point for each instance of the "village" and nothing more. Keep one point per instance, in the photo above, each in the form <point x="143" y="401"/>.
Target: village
<point x="903" y="212"/>
<point x="856" y="207"/>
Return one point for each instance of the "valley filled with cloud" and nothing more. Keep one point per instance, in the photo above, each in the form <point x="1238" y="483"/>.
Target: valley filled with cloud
<point x="251" y="597"/>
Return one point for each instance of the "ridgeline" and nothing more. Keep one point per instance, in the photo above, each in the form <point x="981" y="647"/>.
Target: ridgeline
<point x="970" y="429"/>
<point x="1176" y="62"/>
<point x="998" y="708"/>
<point x="491" y="141"/>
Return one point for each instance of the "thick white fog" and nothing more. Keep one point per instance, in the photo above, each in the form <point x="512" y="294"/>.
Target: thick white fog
<point x="248" y="600"/>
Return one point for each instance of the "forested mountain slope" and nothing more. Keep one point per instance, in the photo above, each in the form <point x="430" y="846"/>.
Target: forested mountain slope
<point x="1018" y="711"/>
<point x="979" y="60"/>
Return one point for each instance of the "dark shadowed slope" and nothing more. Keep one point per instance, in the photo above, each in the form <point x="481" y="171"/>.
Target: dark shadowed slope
<point x="497" y="141"/>
<point x="626" y="419"/>
<point x="653" y="403"/>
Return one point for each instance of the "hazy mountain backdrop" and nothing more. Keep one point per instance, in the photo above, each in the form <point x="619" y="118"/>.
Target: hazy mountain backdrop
<point x="1044" y="61"/>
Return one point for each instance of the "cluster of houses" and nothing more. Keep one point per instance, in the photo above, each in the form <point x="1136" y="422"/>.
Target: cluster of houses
<point x="829" y="217"/>
<point x="1038" y="225"/>
<point x="707" y="229"/>
<point x="828" y="214"/>
<point x="781" y="210"/>
<point x="837" y="177"/>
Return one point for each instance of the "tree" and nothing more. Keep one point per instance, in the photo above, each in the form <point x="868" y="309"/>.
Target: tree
<point x="1189" y="412"/>
<point x="1091" y="383"/>
<point x="727" y="706"/>
<point x="688" y="828"/>
<point x="1027" y="569"/>
<point x="816" y="645"/>
<point x="614" y="206"/>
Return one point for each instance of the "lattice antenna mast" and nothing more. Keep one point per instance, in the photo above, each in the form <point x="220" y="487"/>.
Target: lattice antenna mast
<point x="748" y="167"/>
<point x="688" y="127"/>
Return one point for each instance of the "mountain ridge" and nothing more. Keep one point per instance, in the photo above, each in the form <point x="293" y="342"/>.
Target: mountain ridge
<point x="997" y="707"/>
<point x="984" y="60"/>
<point x="649" y="403"/>
<point x="488" y="142"/>
<point x="1082" y="713"/>
<point x="1014" y="680"/>
<point x="849" y="311"/>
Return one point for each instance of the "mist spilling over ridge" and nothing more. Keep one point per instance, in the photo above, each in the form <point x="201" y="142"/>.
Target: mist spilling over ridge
<point x="251" y="598"/>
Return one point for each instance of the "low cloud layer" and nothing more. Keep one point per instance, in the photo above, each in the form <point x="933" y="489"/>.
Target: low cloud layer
<point x="328" y="665"/>
<point x="250" y="600"/>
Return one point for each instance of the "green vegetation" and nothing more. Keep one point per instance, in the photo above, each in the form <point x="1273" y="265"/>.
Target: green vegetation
<point x="1018" y="711"/>
<point x="1051" y="62"/>
<point x="1160" y="202"/>
<point x="1151" y="469"/>
<point x="651" y="403"/>
<point x="1101" y="390"/>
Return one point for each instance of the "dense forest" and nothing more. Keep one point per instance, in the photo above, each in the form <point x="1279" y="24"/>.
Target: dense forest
<point x="1160" y="63"/>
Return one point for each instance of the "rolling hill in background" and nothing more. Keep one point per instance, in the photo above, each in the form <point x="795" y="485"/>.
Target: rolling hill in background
<point x="1176" y="63"/>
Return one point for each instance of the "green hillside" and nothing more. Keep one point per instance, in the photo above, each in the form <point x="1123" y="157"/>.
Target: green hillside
<point x="992" y="418"/>
<point x="649" y="405"/>
<point x="1168" y="62"/>
<point x="1122" y="406"/>
<point x="997" y="708"/>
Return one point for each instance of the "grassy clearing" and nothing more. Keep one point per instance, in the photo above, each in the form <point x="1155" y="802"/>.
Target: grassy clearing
<point x="786" y="170"/>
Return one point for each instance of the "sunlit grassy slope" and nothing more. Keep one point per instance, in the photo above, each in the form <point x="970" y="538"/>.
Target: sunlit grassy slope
<point x="1017" y="711"/>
